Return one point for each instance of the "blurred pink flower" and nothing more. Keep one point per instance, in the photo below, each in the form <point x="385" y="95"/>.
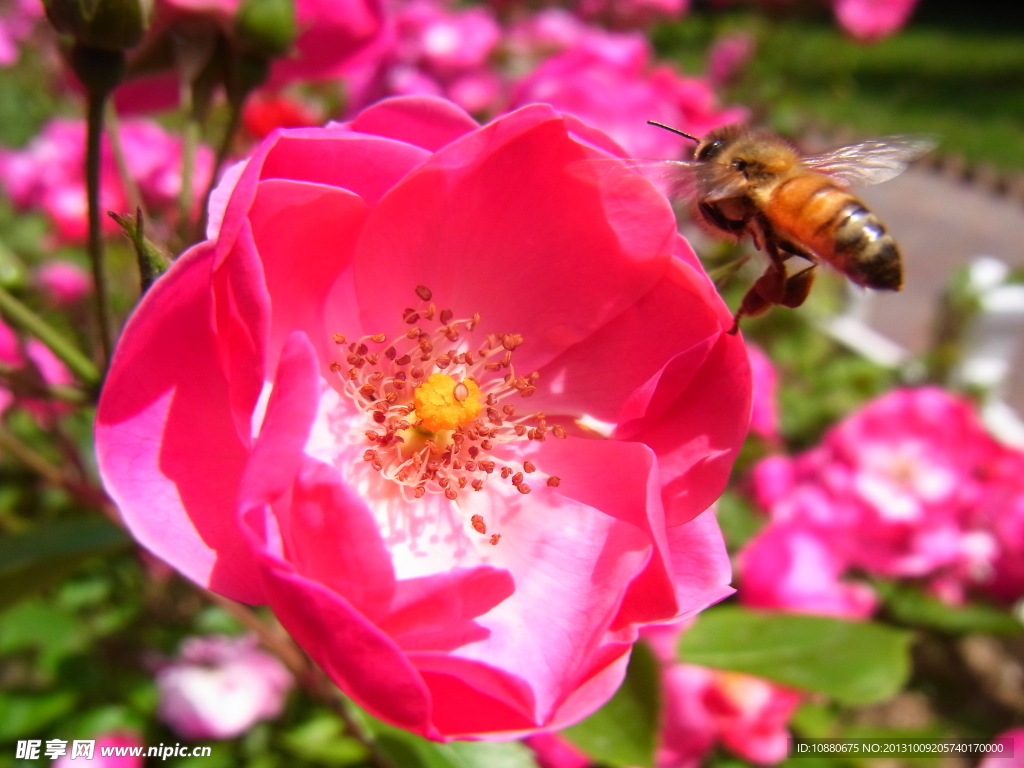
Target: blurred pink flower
<point x="220" y="686"/>
<point x="63" y="282"/>
<point x="436" y="51"/>
<point x="791" y="568"/>
<point x="999" y="760"/>
<point x="555" y="751"/>
<point x="631" y="13"/>
<point x="113" y="741"/>
<point x="17" y="19"/>
<point x="871" y="20"/>
<point x="764" y="416"/>
<point x="728" y="55"/>
<point x="34" y="354"/>
<point x="281" y="464"/>
<point x="580" y="79"/>
<point x="702" y="707"/>
<point x="910" y="486"/>
<point x="49" y="173"/>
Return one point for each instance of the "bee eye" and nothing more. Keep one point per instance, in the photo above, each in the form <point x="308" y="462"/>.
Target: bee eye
<point x="711" y="150"/>
<point x="740" y="165"/>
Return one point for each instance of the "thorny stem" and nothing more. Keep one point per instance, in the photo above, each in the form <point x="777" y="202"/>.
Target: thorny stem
<point x="309" y="676"/>
<point x="96" y="107"/>
<point x="31" y="323"/>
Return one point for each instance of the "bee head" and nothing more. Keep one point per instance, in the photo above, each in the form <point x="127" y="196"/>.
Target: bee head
<point x="715" y="143"/>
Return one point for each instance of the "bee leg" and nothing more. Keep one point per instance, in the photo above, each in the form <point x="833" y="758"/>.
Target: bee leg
<point x="769" y="290"/>
<point x="797" y="287"/>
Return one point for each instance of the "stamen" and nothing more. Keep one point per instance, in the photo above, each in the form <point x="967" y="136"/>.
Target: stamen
<point x="433" y="432"/>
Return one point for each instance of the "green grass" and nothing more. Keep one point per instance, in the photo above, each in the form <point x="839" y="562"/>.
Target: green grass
<point x="965" y="85"/>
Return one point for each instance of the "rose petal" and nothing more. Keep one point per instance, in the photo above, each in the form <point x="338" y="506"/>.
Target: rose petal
<point x="424" y="121"/>
<point x="177" y="495"/>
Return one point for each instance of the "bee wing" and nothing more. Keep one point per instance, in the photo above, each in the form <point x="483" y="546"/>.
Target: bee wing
<point x="872" y="161"/>
<point x="678" y="180"/>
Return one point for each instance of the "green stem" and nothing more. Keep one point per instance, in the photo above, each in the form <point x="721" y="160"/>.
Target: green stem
<point x="32" y="324"/>
<point x="97" y="101"/>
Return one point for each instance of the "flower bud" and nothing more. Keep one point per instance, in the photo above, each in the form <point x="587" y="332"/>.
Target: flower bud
<point x="265" y="28"/>
<point x="111" y="25"/>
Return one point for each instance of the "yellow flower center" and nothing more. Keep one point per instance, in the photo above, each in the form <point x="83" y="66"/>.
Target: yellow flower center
<point x="433" y="431"/>
<point x="443" y="403"/>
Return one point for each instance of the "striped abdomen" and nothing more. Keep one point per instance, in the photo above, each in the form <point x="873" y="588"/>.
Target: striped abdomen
<point x="821" y="216"/>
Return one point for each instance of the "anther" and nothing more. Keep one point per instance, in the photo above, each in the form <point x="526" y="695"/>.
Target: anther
<point x="523" y="488"/>
<point x="335" y="366"/>
<point x="495" y="538"/>
<point x="423" y="292"/>
<point x="451" y="494"/>
<point x="338" y="338"/>
<point x="517" y="479"/>
<point x="528" y="466"/>
<point x="461" y="392"/>
<point x="446" y="316"/>
<point x="379" y="338"/>
<point x="554" y="481"/>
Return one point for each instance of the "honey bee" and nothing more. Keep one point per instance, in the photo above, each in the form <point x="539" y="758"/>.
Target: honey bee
<point x="745" y="181"/>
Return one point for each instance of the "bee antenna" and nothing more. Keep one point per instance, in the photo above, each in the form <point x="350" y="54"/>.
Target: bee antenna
<point x="674" y="130"/>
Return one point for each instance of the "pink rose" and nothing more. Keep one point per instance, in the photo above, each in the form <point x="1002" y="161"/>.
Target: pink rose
<point x="36" y="364"/>
<point x="1014" y="738"/>
<point x="63" y="282"/>
<point x="871" y="20"/>
<point x="17" y="20"/>
<point x="764" y="416"/>
<point x="219" y="686"/>
<point x="435" y="51"/>
<point x="632" y="13"/>
<point x="790" y="568"/>
<point x="49" y="173"/>
<point x="909" y="486"/>
<point x="728" y="56"/>
<point x="555" y="751"/>
<point x="463" y="502"/>
<point x="702" y="707"/>
<point x="579" y="81"/>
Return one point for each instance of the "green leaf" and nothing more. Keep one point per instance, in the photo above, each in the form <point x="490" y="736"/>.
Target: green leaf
<point x="854" y="662"/>
<point x="50" y="551"/>
<point x="624" y="731"/>
<point x="321" y="740"/>
<point x="25" y="715"/>
<point x="910" y="605"/>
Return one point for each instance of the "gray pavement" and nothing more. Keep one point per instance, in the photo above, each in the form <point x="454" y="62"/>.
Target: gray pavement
<point x="940" y="224"/>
